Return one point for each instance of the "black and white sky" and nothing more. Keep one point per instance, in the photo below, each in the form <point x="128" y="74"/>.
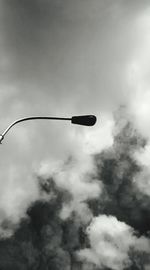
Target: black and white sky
<point x="62" y="58"/>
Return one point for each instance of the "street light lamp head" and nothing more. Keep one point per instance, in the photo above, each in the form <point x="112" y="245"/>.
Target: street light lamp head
<point x="86" y="120"/>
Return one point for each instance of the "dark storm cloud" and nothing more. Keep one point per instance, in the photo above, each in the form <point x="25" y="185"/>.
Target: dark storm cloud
<point x="117" y="169"/>
<point x="45" y="240"/>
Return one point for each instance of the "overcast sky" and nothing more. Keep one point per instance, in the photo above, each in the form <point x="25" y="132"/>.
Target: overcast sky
<point x="61" y="58"/>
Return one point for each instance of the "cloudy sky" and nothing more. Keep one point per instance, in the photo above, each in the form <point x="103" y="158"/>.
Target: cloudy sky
<point x="62" y="58"/>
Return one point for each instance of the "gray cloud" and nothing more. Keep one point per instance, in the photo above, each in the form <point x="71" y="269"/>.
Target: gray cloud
<point x="60" y="50"/>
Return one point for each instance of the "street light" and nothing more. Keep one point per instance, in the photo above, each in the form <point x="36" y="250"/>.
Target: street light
<point x="86" y="120"/>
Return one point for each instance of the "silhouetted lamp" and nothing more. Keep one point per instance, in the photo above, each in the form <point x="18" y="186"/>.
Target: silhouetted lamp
<point x="85" y="120"/>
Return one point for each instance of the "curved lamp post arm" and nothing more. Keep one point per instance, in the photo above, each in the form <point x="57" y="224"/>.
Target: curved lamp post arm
<point x="31" y="118"/>
<point x="87" y="120"/>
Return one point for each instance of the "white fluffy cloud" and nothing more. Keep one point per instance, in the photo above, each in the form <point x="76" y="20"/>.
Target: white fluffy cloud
<point x="111" y="241"/>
